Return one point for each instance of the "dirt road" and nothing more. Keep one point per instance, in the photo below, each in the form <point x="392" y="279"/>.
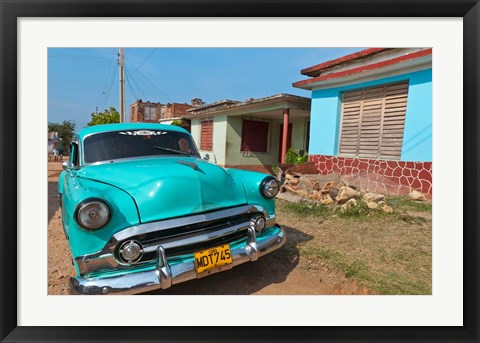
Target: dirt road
<point x="281" y="272"/>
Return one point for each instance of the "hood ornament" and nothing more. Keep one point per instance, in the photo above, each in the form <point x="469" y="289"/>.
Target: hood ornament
<point x="192" y="165"/>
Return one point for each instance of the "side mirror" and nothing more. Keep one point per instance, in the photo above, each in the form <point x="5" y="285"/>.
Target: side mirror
<point x="67" y="166"/>
<point x="206" y="157"/>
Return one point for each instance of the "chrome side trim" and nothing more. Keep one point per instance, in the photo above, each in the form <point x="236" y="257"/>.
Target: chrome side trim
<point x="164" y="276"/>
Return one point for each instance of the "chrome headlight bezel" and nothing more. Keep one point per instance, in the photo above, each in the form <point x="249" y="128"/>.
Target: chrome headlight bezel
<point x="269" y="187"/>
<point x="84" y="206"/>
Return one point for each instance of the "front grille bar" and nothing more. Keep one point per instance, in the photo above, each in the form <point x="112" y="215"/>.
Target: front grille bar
<point x="105" y="258"/>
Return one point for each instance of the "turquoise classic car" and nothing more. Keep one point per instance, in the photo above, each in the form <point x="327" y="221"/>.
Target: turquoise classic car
<point x="142" y="210"/>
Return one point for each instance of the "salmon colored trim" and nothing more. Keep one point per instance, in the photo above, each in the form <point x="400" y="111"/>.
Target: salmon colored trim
<point x="361" y="69"/>
<point x="317" y="68"/>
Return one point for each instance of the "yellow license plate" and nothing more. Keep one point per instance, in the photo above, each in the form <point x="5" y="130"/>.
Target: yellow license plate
<point x="212" y="258"/>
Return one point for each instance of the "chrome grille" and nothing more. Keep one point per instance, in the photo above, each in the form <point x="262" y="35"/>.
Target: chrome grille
<point x="191" y="238"/>
<point x="178" y="236"/>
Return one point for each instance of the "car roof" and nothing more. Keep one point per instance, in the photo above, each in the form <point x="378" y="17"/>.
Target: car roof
<point x="127" y="126"/>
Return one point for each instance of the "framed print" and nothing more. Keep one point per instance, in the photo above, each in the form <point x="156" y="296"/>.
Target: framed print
<point x="444" y="32"/>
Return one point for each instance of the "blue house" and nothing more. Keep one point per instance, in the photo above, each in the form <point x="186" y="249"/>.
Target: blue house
<point x="371" y="118"/>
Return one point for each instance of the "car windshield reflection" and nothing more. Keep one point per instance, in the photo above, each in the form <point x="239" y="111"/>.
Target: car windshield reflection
<point x="137" y="143"/>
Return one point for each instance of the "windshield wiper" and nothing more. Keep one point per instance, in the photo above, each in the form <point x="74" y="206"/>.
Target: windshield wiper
<point x="171" y="150"/>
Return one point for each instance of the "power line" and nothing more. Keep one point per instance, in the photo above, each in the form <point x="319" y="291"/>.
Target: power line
<point x="115" y="98"/>
<point x="110" y="87"/>
<point x="79" y="58"/>
<point x="141" y="64"/>
<point x="107" y="94"/>
<point x="94" y="50"/>
<point x="108" y="76"/>
<point x="129" y="85"/>
<point x="116" y="95"/>
<point x="154" y="86"/>
<point x="135" y="83"/>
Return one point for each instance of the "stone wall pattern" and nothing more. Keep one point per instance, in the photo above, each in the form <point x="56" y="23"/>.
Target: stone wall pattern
<point x="387" y="177"/>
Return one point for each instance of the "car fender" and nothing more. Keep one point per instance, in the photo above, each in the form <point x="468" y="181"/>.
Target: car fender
<point x="251" y="182"/>
<point x="123" y="213"/>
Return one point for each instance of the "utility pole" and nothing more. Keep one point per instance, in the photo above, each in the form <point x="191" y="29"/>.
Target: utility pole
<point x="121" y="62"/>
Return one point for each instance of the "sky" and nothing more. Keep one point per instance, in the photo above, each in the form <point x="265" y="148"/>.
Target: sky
<point x="82" y="80"/>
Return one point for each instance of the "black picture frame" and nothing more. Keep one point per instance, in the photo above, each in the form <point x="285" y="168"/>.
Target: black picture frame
<point x="469" y="10"/>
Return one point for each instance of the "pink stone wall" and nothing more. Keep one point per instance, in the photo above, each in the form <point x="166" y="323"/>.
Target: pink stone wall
<point x="387" y="177"/>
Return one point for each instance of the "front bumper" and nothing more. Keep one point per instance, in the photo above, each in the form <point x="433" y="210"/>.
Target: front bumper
<point x="165" y="275"/>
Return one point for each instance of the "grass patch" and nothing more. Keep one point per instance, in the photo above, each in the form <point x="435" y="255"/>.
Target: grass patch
<point x="402" y="203"/>
<point x="336" y="260"/>
<point x="412" y="219"/>
<point x="389" y="282"/>
<point x="389" y="253"/>
<point x="303" y="208"/>
<point x="362" y="212"/>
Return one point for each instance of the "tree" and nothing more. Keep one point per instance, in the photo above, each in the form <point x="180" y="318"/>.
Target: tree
<point x="109" y="116"/>
<point x="177" y="122"/>
<point x="65" y="131"/>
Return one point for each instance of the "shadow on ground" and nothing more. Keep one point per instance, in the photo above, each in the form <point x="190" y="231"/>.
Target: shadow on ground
<point x="247" y="278"/>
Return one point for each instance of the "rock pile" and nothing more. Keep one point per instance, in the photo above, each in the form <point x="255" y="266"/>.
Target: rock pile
<point x="320" y="189"/>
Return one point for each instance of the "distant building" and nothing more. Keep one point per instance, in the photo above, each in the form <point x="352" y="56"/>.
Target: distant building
<point x="52" y="141"/>
<point x="151" y="112"/>
<point x="155" y="112"/>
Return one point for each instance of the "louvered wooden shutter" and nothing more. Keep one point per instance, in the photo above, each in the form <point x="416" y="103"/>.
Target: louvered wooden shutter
<point x="206" y="135"/>
<point x="395" y="109"/>
<point x="373" y="122"/>
<point x="254" y="136"/>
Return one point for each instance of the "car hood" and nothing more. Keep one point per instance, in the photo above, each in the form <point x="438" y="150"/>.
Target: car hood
<point x="167" y="187"/>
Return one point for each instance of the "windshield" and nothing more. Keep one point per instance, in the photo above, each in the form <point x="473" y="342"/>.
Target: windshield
<point x="136" y="143"/>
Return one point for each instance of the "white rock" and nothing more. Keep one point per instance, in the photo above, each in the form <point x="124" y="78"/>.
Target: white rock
<point x="373" y="197"/>
<point x="346" y="193"/>
<point x="348" y="205"/>
<point x="417" y="196"/>
<point x="326" y="199"/>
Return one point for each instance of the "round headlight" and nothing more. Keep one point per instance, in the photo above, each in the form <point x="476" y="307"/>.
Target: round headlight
<point x="270" y="187"/>
<point x="93" y="214"/>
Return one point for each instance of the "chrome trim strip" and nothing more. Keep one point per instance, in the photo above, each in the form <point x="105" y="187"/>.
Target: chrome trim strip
<point x="163" y="276"/>
<point x="184" y="221"/>
<point x="174" y="242"/>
